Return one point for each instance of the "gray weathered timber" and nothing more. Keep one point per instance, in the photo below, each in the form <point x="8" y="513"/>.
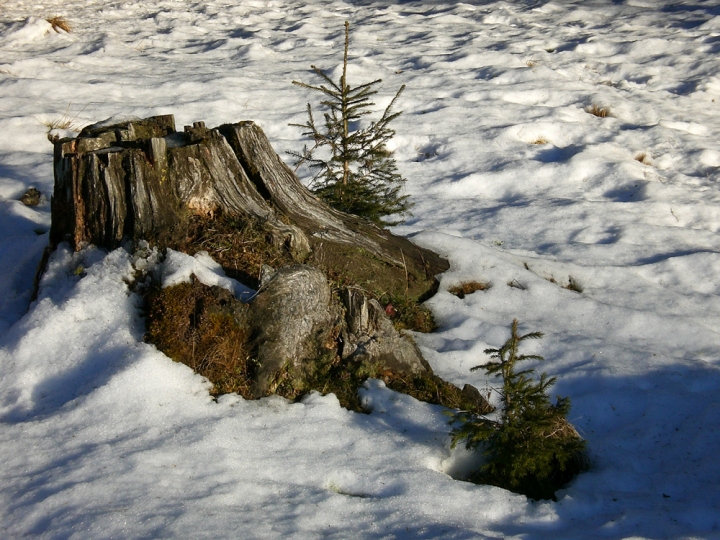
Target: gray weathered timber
<point x="369" y="335"/>
<point x="281" y="187"/>
<point x="289" y="316"/>
<point x="295" y="320"/>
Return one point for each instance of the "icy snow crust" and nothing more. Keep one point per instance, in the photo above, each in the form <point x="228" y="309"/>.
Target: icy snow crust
<point x="103" y="436"/>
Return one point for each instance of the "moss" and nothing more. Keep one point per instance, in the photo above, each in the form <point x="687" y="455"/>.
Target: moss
<point x="408" y="314"/>
<point x="204" y="328"/>
<point x="330" y="374"/>
<point x="327" y="374"/>
<point x="347" y="265"/>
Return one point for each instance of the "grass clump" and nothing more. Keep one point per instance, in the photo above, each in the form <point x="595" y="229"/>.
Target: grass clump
<point x="530" y="448"/>
<point x="67" y="122"/>
<point x="31" y="197"/>
<point x="328" y="373"/>
<point x="469" y="287"/>
<point x="408" y="314"/>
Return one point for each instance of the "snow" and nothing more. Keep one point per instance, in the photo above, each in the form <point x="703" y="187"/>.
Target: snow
<point x="513" y="180"/>
<point x="179" y="267"/>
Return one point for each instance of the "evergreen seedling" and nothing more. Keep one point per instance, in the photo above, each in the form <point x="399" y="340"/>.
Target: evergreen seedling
<point x="530" y="448"/>
<point x="355" y="171"/>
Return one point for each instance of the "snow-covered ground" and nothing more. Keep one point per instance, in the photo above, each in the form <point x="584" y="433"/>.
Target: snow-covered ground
<point x="513" y="180"/>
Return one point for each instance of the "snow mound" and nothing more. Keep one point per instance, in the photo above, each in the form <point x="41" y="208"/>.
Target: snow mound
<point x="178" y="267"/>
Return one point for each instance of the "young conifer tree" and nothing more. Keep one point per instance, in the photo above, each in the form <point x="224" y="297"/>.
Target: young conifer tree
<point x="355" y="171"/>
<point x="531" y="448"/>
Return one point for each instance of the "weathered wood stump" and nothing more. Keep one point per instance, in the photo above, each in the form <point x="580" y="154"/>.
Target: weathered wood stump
<point x="143" y="180"/>
<point x="225" y="190"/>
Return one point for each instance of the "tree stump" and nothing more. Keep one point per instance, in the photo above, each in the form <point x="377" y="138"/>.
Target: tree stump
<point x="225" y="189"/>
<point x="143" y="180"/>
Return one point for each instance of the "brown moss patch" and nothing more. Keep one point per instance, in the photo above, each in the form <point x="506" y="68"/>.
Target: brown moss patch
<point x="204" y="328"/>
<point x="469" y="287"/>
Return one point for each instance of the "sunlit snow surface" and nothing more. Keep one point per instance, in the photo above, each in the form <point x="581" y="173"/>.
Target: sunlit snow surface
<point x="103" y="436"/>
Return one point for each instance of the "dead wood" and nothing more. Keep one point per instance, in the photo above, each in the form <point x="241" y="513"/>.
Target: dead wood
<point x="319" y="314"/>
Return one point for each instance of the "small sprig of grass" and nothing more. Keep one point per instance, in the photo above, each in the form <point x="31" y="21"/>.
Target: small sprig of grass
<point x="515" y="284"/>
<point x="66" y="122"/>
<point x="597" y="110"/>
<point x="469" y="287"/>
<point x="540" y="140"/>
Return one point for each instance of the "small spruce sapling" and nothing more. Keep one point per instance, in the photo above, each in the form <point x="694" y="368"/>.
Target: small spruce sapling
<point x="356" y="172"/>
<point x="530" y="448"/>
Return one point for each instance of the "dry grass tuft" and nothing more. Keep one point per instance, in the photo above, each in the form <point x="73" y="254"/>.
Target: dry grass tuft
<point x="59" y="23"/>
<point x="540" y="140"/>
<point x="65" y="122"/>
<point x="597" y="110"/>
<point x="469" y="287"/>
